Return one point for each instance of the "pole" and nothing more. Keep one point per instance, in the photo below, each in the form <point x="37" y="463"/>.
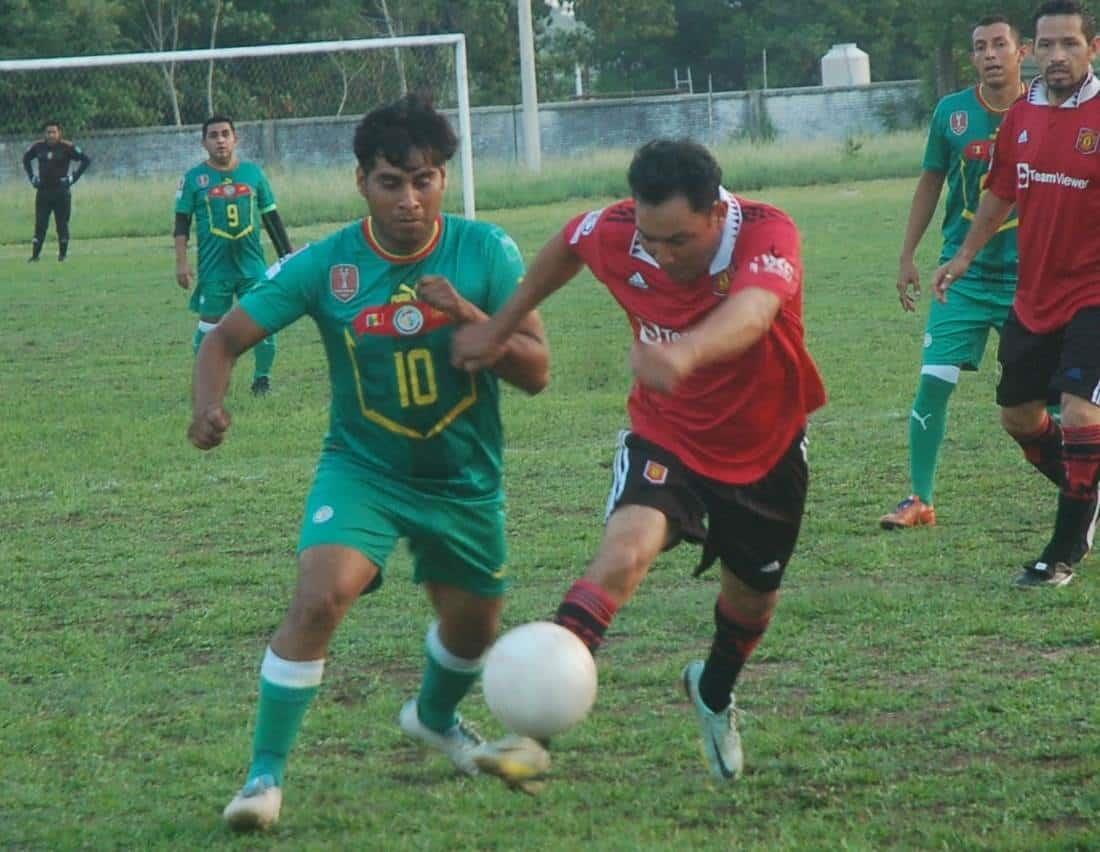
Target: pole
<point x="532" y="149"/>
<point x="765" y="62"/>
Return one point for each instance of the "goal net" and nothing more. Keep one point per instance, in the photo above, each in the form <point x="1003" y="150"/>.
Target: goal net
<point x="285" y="86"/>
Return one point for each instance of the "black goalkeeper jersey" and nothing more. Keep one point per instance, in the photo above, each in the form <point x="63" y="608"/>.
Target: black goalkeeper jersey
<point x="54" y="161"/>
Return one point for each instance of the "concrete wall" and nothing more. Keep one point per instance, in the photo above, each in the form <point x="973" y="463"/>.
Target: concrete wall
<point x="565" y="128"/>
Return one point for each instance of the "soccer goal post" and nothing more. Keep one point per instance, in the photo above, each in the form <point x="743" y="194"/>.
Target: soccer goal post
<point x="324" y="80"/>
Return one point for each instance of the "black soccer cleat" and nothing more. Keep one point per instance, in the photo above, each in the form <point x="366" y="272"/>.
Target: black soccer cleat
<point x="261" y="386"/>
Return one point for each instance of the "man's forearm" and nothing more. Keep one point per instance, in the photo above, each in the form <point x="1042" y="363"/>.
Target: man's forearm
<point x="181" y="250"/>
<point x="992" y="211"/>
<point x="551" y="269"/>
<point x="926" y="197"/>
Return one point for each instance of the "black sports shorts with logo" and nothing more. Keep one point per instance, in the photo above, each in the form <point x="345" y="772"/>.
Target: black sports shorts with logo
<point x="1063" y="361"/>
<point x="751" y="528"/>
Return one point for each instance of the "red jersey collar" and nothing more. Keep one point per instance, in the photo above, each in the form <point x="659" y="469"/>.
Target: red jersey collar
<point x="419" y="254"/>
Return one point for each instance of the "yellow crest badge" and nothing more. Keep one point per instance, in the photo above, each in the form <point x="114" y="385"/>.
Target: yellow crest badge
<point x="655" y="473"/>
<point x="1087" y="141"/>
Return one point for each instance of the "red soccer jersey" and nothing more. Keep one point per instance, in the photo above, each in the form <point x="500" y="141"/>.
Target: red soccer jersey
<point x="1047" y="160"/>
<point x="732" y="420"/>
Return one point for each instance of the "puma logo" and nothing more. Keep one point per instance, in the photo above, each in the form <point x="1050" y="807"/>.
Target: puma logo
<point x="923" y="421"/>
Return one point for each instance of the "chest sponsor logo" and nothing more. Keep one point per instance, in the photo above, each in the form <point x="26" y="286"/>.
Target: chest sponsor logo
<point x="343" y="281"/>
<point x="636" y="280"/>
<point x="1087" y="141"/>
<point x="1022" y="138"/>
<point x="769" y="264"/>
<point x="655" y="473"/>
<point x="203" y="181"/>
<point x="1026" y="176"/>
<point x="722" y="283"/>
<point x="650" y="332"/>
<point x="959" y="122"/>
<point x="408" y="319"/>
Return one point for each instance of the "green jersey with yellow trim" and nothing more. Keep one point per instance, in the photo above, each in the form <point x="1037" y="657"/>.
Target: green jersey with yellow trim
<point x="398" y="406"/>
<point x="227" y="206"/>
<point x="960" y="143"/>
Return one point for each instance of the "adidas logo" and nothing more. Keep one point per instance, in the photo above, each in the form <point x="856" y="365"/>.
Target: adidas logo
<point x="636" y="280"/>
<point x="1022" y="138"/>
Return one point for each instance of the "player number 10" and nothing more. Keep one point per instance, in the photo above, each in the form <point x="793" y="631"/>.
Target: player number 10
<point x="415" y="377"/>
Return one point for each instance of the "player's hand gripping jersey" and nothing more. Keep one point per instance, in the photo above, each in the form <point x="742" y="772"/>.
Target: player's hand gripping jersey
<point x="733" y="420"/>
<point x="227" y="207"/>
<point x="398" y="406"/>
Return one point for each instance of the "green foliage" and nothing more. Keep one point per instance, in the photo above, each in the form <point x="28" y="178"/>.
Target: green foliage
<point x="905" y="697"/>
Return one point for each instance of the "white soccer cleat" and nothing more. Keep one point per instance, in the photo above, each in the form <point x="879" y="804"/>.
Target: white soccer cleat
<point x="721" y="742"/>
<point x="459" y="743"/>
<point x="520" y="762"/>
<point x="256" y="806"/>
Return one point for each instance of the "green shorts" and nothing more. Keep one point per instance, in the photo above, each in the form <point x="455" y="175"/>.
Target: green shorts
<point x="215" y="298"/>
<point x="958" y="329"/>
<point x="454" y="541"/>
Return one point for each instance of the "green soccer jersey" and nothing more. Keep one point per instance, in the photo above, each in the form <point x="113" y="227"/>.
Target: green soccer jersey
<point x="227" y="207"/>
<point x="960" y="142"/>
<point x="398" y="406"/>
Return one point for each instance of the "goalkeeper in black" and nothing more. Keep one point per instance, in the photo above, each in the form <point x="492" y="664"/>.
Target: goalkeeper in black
<point x="53" y="181"/>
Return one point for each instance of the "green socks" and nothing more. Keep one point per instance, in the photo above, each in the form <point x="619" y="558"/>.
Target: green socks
<point x="265" y="356"/>
<point x="927" y="423"/>
<point x="447" y="679"/>
<point x="286" y="690"/>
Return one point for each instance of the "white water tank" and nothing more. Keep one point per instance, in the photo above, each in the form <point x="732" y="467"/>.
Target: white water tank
<point x="845" y="65"/>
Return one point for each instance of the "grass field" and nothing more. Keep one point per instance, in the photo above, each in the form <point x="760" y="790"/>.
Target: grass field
<point x="906" y="696"/>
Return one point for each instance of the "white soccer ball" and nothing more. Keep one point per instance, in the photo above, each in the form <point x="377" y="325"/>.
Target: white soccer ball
<point x="539" y="680"/>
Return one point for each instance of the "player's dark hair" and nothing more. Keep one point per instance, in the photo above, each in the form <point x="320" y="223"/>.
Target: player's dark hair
<point x="665" y="168"/>
<point x="218" y="119"/>
<point x="51" y="123"/>
<point x="398" y="129"/>
<point x="990" y="20"/>
<point x="1067" y="7"/>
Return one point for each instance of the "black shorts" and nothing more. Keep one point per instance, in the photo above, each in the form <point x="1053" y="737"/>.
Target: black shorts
<point x="751" y="528"/>
<point x="1063" y="361"/>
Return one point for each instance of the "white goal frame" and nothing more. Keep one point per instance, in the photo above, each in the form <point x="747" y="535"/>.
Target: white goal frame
<point x="456" y="40"/>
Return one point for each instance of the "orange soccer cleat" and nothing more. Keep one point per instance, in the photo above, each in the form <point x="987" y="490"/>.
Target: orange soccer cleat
<point x="911" y="512"/>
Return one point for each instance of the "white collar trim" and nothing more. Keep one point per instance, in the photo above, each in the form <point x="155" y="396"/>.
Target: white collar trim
<point x="730" y="230"/>
<point x="1037" y="93"/>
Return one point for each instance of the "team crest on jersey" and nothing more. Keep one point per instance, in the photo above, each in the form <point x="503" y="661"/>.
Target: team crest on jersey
<point x="655" y="473"/>
<point x="959" y="122"/>
<point x="1087" y="141"/>
<point x="722" y="283"/>
<point x="203" y="181"/>
<point x="408" y="319"/>
<point x="343" y="280"/>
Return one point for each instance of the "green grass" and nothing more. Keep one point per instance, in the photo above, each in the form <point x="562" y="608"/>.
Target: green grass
<point x="105" y="207"/>
<point x="906" y="696"/>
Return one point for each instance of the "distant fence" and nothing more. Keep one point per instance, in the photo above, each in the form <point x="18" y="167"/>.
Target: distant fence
<point x="565" y="128"/>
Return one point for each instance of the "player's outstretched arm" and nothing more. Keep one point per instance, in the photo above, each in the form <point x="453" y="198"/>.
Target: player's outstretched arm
<point x="480" y="345"/>
<point x="992" y="211"/>
<point x="926" y="197"/>
<point x="236" y="333"/>
<point x="522" y="360"/>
